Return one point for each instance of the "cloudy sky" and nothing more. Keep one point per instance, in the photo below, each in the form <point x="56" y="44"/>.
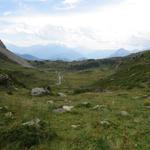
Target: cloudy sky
<point x="85" y="24"/>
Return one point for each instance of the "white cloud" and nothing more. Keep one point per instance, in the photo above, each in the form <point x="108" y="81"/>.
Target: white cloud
<point x="109" y="27"/>
<point x="71" y="2"/>
<point x="7" y="13"/>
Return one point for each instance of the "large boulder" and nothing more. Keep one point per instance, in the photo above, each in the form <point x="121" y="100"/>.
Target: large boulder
<point x="40" y="91"/>
<point x="5" y="80"/>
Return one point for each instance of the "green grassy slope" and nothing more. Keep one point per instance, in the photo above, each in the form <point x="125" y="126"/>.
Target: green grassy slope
<point x="134" y="71"/>
<point x="97" y="129"/>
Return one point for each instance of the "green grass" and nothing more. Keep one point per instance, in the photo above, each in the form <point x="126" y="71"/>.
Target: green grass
<point x="134" y="130"/>
<point x="123" y="132"/>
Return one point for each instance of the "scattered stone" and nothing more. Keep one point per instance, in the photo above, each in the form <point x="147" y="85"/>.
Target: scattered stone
<point x="39" y="91"/>
<point x="9" y="115"/>
<point x="124" y="113"/>
<point x="51" y="105"/>
<point x="99" y="107"/>
<point x="75" y="126"/>
<point x="50" y="102"/>
<point x="96" y="107"/>
<point x="4" y="108"/>
<point x="105" y="123"/>
<point x="63" y="109"/>
<point x="59" y="110"/>
<point x="148" y="107"/>
<point x="61" y="94"/>
<point x="68" y="108"/>
<point x="35" y="122"/>
<point x="136" y="97"/>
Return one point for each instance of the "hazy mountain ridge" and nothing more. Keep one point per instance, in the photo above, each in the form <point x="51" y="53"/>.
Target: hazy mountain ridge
<point x="28" y="57"/>
<point x="121" y="53"/>
<point x="48" y="52"/>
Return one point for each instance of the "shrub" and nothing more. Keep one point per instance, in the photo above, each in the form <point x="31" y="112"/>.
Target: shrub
<point x="147" y="103"/>
<point x="102" y="144"/>
<point x="26" y="135"/>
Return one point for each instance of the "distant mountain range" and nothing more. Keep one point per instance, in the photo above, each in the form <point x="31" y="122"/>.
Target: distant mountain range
<point x="61" y="52"/>
<point x="28" y="57"/>
<point x="47" y="52"/>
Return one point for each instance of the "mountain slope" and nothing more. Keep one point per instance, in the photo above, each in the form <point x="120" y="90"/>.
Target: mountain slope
<point x="134" y="71"/>
<point x="5" y="54"/>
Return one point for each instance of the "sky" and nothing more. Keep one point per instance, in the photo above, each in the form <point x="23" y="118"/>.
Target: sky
<point x="89" y="25"/>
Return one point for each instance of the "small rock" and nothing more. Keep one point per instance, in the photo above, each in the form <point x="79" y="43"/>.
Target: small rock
<point x="75" y="126"/>
<point x="35" y="122"/>
<point x="68" y="108"/>
<point x="99" y="107"/>
<point x="50" y="102"/>
<point x="105" y="123"/>
<point x="4" y="108"/>
<point x="59" y="110"/>
<point x="9" y="115"/>
<point x="61" y="94"/>
<point x="124" y="113"/>
<point x="96" y="107"/>
<point x="39" y="91"/>
<point x="148" y="107"/>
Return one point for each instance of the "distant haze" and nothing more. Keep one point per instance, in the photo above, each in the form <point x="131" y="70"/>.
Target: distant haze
<point x="60" y="52"/>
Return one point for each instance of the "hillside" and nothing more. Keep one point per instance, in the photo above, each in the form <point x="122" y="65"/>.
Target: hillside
<point x="133" y="71"/>
<point x="6" y="55"/>
<point x="69" y="119"/>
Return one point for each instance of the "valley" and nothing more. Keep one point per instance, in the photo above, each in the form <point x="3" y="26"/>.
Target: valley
<point x="99" y="104"/>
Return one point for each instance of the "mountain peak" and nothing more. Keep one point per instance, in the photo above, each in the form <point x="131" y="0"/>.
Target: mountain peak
<point x="2" y="44"/>
<point x="120" y="53"/>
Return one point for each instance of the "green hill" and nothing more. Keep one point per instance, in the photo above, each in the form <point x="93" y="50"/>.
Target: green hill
<point x="133" y="71"/>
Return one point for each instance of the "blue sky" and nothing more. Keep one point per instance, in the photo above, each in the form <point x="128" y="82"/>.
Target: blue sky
<point x="85" y="24"/>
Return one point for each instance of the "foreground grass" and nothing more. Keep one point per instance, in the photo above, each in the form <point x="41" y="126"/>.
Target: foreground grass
<point x="129" y="132"/>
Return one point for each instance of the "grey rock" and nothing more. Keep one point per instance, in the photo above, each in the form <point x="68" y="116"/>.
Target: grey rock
<point x="75" y="126"/>
<point x="50" y="102"/>
<point x="61" y="94"/>
<point x="124" y="113"/>
<point x="105" y="123"/>
<point x="39" y="91"/>
<point x="148" y="107"/>
<point x="9" y="115"/>
<point x="68" y="108"/>
<point x="34" y="122"/>
<point x="4" y="108"/>
<point x="59" y="110"/>
<point x="99" y="107"/>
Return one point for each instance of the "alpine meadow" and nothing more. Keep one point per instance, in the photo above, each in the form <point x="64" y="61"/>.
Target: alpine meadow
<point x="74" y="75"/>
